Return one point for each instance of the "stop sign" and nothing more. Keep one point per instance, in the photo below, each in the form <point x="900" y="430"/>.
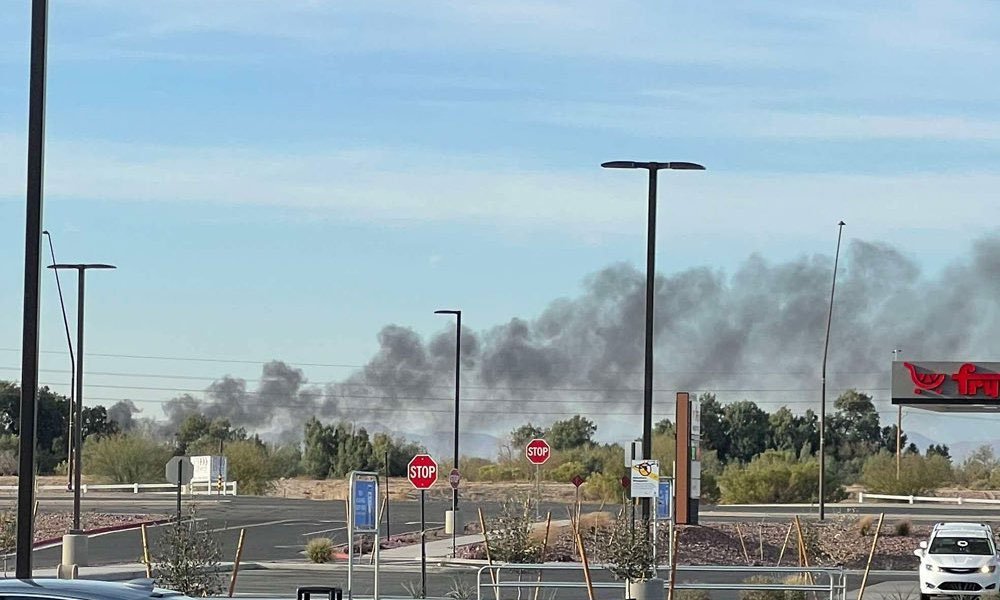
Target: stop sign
<point x="422" y="471"/>
<point x="538" y="451"/>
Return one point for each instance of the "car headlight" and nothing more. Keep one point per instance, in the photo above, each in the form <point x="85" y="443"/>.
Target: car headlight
<point x="988" y="569"/>
<point x="931" y="567"/>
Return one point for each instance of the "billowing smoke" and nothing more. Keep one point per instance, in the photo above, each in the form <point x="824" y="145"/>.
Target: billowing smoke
<point x="123" y="413"/>
<point x="757" y="333"/>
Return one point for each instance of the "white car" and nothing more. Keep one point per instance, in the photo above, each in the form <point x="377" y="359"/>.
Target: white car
<point x="959" y="559"/>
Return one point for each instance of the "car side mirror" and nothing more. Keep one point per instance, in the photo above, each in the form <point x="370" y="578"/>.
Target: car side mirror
<point x="923" y="545"/>
<point x="918" y="553"/>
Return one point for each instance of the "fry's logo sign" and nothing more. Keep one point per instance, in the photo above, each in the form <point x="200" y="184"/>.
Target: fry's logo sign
<point x="967" y="381"/>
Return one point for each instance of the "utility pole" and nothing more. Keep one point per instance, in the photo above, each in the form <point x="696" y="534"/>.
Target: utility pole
<point x="899" y="424"/>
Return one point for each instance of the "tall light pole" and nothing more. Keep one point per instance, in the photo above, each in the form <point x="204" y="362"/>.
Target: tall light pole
<point x="647" y="387"/>
<point x="72" y="369"/>
<point x="81" y="270"/>
<point x="899" y="422"/>
<point x="458" y="379"/>
<point x="32" y="289"/>
<point x="822" y="402"/>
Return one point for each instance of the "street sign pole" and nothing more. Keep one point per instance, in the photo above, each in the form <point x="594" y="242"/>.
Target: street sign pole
<point x="362" y="518"/>
<point x="180" y="478"/>
<point x="423" y="546"/>
<point x="538" y="492"/>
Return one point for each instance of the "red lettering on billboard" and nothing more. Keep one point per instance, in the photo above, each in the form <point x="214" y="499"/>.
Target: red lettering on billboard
<point x="967" y="380"/>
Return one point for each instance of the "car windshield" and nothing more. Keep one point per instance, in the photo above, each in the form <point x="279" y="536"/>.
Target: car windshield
<point x="961" y="545"/>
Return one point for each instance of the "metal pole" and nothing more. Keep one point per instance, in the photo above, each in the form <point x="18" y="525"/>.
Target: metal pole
<point x="647" y="387"/>
<point x="387" y="534"/>
<point x="899" y="426"/>
<point x="32" y="290"/>
<point x="423" y="547"/>
<point x="822" y="409"/>
<point x="180" y="472"/>
<point x="458" y="379"/>
<point x="538" y="492"/>
<point x="72" y="369"/>
<point x="78" y="425"/>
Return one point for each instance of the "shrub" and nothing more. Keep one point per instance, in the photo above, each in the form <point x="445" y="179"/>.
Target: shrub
<point x="762" y="594"/>
<point x="604" y="487"/>
<point x="509" y="533"/>
<point x="8" y="531"/>
<point x="773" y="478"/>
<point x="125" y="459"/>
<point x="918" y="474"/>
<point x="865" y="524"/>
<point x="903" y="528"/>
<point x="625" y="551"/>
<point x="251" y="466"/>
<point x="187" y="560"/>
<point x="320" y="550"/>
<point x="692" y="595"/>
<point x="567" y="471"/>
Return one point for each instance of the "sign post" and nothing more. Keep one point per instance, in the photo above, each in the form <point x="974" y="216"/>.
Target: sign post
<point x="454" y="478"/>
<point x="538" y="452"/>
<point x="422" y="473"/>
<point x="577" y="482"/>
<point x="179" y="471"/>
<point x="362" y="518"/>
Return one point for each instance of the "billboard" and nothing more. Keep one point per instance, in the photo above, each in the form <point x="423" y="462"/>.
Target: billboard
<point x="947" y="386"/>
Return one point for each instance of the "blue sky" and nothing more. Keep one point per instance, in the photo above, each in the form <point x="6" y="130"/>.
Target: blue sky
<point x="281" y="179"/>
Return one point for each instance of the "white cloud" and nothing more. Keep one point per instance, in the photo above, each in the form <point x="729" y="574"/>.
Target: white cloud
<point x="412" y="186"/>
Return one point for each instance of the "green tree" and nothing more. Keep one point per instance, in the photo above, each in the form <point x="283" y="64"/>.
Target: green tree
<point x="773" y="478"/>
<point x="918" y="475"/>
<point x="126" y="459"/>
<point x="320" y="449"/>
<point x="977" y="469"/>
<point x="713" y="428"/>
<point x="574" y="432"/>
<point x="939" y="450"/>
<point x="251" y="466"/>
<point x="746" y="426"/>
<point x="665" y="427"/>
<point x="520" y="437"/>
<point x="398" y="450"/>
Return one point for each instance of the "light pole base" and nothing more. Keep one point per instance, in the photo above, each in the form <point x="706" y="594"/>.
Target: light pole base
<point x="67" y="572"/>
<point x="74" y="549"/>
<point x="450" y="517"/>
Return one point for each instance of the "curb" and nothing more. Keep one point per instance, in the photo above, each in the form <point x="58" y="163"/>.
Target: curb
<point x="108" y="529"/>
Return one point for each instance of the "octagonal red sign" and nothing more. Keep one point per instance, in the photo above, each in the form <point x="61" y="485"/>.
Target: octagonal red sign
<point x="538" y="451"/>
<point x="422" y="471"/>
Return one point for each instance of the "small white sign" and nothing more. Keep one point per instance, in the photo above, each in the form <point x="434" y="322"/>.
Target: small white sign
<point x="645" y="478"/>
<point x="695" y="419"/>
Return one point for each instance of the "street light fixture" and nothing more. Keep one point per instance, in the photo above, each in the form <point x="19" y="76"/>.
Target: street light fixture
<point x="72" y="369"/>
<point x="822" y="402"/>
<point x="458" y="371"/>
<point x="647" y="388"/>
<point x="81" y="270"/>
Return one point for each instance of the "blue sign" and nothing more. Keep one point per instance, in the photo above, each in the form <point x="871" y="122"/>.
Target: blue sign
<point x="664" y="501"/>
<point x="365" y="504"/>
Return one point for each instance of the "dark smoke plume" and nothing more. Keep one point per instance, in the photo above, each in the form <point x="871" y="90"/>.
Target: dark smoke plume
<point x="757" y="333"/>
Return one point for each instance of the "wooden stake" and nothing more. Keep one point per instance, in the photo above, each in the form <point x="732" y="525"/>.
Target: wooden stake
<point x="489" y="559"/>
<point x="145" y="553"/>
<point x="586" y="567"/>
<point x="788" y="535"/>
<point x="673" y="565"/>
<point x="871" y="555"/>
<point x="743" y="544"/>
<point x="545" y="547"/>
<point x="236" y="565"/>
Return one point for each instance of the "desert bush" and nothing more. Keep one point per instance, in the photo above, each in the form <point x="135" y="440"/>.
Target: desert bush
<point x="692" y="595"/>
<point x="251" y="466"/>
<point x="8" y="531"/>
<point x="772" y="478"/>
<point x="903" y="528"/>
<point x="187" y="560"/>
<point x="567" y="471"/>
<point x="125" y="459"/>
<point x="509" y="533"/>
<point x="605" y="487"/>
<point x="319" y="550"/>
<point x="501" y="472"/>
<point x="624" y="550"/>
<point x="865" y="525"/>
<point x="918" y="474"/>
<point x="762" y="594"/>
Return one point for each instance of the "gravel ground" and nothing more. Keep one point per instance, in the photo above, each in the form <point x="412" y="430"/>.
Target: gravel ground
<point x="838" y="542"/>
<point x="54" y="525"/>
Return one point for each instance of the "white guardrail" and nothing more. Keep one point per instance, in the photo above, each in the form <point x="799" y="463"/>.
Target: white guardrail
<point x="862" y="496"/>
<point x="203" y="488"/>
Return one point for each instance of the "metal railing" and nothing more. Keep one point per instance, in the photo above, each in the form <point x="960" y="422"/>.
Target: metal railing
<point x="199" y="488"/>
<point x="862" y="496"/>
<point x="831" y="582"/>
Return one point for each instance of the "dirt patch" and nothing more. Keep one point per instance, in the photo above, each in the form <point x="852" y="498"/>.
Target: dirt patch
<point x="838" y="542"/>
